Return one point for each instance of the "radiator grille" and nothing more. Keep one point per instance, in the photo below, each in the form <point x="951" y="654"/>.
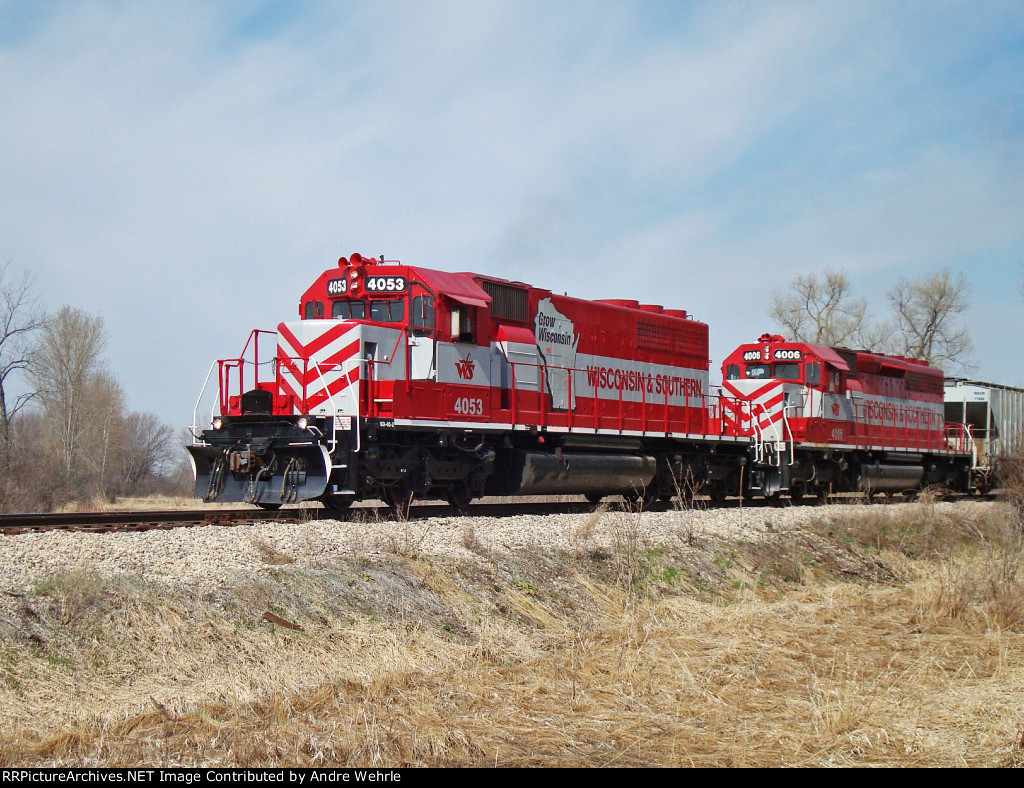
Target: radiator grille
<point x="929" y="384"/>
<point x="507" y="302"/>
<point x="686" y="340"/>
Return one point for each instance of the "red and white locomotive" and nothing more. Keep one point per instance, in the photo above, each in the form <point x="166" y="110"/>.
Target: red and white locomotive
<point x="400" y="382"/>
<point x="824" y="419"/>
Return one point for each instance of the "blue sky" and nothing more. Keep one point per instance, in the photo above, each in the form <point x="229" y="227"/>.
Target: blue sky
<point x="186" y="169"/>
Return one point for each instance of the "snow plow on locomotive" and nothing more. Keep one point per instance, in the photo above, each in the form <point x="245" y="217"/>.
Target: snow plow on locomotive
<point x="400" y="382"/>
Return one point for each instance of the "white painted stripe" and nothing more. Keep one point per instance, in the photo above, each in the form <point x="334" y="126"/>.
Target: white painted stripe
<point x="507" y="426"/>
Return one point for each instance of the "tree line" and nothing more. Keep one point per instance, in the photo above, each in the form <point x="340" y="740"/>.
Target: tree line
<point x="66" y="431"/>
<point x="923" y="322"/>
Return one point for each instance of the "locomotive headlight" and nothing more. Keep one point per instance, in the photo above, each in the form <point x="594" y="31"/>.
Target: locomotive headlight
<point x="218" y="423"/>
<point x="303" y="422"/>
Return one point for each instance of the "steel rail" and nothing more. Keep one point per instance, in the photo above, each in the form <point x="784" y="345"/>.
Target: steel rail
<point x="123" y="521"/>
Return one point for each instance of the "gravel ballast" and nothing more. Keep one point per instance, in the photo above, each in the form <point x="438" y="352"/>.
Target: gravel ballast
<point x="212" y="556"/>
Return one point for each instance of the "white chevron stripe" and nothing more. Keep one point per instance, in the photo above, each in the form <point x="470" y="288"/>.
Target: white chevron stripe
<point x="307" y="333"/>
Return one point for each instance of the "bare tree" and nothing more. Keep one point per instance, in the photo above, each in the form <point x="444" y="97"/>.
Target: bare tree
<point x="20" y="317"/>
<point x="823" y="311"/>
<point x="31" y="481"/>
<point x="68" y="361"/>
<point x="150" y="449"/>
<point x="104" y="442"/>
<point x="926" y="315"/>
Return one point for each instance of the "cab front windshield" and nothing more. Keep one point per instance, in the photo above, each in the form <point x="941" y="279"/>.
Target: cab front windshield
<point x="380" y="311"/>
<point x="775" y="372"/>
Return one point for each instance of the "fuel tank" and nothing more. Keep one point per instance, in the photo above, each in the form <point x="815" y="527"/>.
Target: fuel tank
<point x="570" y="473"/>
<point x="879" y="477"/>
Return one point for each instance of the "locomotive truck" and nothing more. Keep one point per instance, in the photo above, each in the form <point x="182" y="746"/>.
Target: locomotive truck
<point x="400" y="382"/>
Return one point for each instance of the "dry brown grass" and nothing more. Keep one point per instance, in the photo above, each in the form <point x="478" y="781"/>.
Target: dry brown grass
<point x="638" y="658"/>
<point x="972" y="567"/>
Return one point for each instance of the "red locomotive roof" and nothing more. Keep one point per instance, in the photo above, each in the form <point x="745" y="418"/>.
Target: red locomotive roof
<point x="852" y="361"/>
<point x="458" y="287"/>
<point x="828" y="354"/>
<point x="823" y="352"/>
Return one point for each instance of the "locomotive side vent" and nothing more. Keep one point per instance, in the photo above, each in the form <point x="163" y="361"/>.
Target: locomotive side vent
<point x="507" y="302"/>
<point x="931" y="384"/>
<point x="669" y="339"/>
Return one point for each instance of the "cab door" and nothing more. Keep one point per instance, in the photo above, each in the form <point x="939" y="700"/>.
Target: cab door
<point x="422" y="333"/>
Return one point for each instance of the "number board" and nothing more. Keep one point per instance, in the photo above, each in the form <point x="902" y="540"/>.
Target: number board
<point x="752" y="355"/>
<point x="337" y="287"/>
<point x="787" y="355"/>
<point x="386" y="284"/>
<point x="468" y="406"/>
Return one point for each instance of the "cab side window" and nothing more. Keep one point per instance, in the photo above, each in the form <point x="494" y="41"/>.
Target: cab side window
<point x="314" y="310"/>
<point x="813" y="373"/>
<point x="424" y="316"/>
<point x="732" y="372"/>
<point x="462" y="323"/>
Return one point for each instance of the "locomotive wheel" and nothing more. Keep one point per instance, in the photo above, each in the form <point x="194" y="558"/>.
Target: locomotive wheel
<point x="458" y="497"/>
<point x="719" y="490"/>
<point x="594" y="498"/>
<point x="399" y="498"/>
<point x="823" y="491"/>
<point x="336" y="503"/>
<point x="270" y="507"/>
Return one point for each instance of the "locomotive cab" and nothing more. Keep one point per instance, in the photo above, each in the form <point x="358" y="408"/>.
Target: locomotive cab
<point x="775" y="359"/>
<point x="368" y="345"/>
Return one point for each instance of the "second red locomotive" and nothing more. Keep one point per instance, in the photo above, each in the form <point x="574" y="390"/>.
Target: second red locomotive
<point x="824" y="419"/>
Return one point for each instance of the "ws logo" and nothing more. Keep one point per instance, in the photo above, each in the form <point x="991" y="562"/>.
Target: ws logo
<point x="465" y="367"/>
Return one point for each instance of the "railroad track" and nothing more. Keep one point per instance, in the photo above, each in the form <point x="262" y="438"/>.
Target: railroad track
<point x="100" y="522"/>
<point x="123" y="521"/>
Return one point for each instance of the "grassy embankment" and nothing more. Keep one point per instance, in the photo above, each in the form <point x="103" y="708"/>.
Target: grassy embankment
<point x="894" y="636"/>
